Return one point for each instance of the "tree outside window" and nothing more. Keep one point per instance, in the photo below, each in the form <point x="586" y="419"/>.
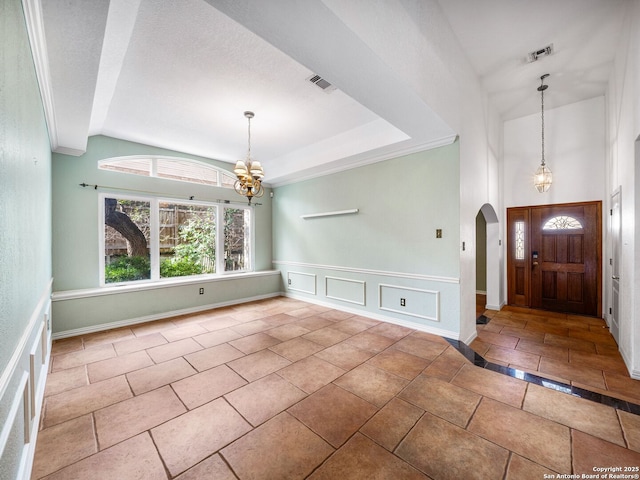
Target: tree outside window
<point x="152" y="239"/>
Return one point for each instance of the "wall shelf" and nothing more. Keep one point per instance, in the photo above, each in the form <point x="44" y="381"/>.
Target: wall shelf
<point x="330" y="214"/>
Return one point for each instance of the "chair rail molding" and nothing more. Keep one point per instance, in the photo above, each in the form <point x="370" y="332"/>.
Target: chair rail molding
<point x="366" y="271"/>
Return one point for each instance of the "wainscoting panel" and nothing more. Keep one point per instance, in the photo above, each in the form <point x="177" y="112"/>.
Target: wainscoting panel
<point x="302" y="282"/>
<point x="410" y="301"/>
<point x="431" y="303"/>
<point x="22" y="384"/>
<point x="345" y="289"/>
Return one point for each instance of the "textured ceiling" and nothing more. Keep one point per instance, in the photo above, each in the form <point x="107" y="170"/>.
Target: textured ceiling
<point x="497" y="35"/>
<point x="179" y="75"/>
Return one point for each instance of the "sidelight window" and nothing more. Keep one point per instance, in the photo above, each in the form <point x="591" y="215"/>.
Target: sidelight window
<point x="519" y="240"/>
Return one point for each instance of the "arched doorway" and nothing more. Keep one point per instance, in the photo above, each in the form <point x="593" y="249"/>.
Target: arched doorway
<point x="488" y="256"/>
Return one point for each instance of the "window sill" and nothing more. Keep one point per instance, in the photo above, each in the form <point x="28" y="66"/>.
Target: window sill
<point x="159" y="284"/>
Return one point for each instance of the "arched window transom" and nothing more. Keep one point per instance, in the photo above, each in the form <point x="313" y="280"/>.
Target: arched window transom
<point x="180" y="169"/>
<point x="562" y="222"/>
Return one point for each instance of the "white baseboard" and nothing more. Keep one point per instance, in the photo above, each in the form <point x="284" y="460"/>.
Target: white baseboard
<point x="471" y="338"/>
<point x="633" y="373"/>
<point x="376" y="316"/>
<point x="494" y="307"/>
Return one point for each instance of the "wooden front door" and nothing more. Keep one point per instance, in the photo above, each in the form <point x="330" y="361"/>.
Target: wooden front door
<point x="555" y="256"/>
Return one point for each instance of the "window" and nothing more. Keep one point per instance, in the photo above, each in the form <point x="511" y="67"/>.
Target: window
<point x="147" y="239"/>
<point x="562" y="222"/>
<point x="180" y="169"/>
<point x="519" y="240"/>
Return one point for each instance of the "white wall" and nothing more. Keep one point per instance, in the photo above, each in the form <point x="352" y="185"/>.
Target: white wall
<point x="574" y="151"/>
<point x="623" y="156"/>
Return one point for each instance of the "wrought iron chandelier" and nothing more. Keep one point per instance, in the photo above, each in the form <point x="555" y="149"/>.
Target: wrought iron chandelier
<point x="249" y="172"/>
<point x="543" y="178"/>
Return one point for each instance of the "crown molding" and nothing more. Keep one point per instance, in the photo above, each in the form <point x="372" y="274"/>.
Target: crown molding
<point x="37" y="39"/>
<point x="361" y="160"/>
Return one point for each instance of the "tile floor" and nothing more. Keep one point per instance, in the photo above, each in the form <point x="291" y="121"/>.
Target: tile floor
<point x="571" y="349"/>
<point x="281" y="389"/>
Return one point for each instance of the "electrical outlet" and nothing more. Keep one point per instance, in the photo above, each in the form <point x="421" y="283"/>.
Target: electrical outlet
<point x="289" y="282"/>
<point x="403" y="302"/>
<point x="201" y="291"/>
<point x="438" y="233"/>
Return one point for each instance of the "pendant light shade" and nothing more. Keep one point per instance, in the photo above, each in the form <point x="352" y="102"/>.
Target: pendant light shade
<point x="543" y="177"/>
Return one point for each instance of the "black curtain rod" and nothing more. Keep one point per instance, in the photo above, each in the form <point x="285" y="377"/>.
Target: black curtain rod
<point x="160" y="194"/>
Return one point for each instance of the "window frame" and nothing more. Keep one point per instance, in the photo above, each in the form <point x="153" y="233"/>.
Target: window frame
<point x="153" y="168"/>
<point x="154" y="237"/>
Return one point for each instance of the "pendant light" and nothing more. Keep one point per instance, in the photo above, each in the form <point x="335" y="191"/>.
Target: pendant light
<point x="543" y="178"/>
<point x="249" y="172"/>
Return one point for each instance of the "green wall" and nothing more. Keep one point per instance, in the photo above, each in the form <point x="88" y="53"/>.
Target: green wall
<point x="25" y="226"/>
<point x="391" y="240"/>
<point x="76" y="229"/>
<point x="75" y="209"/>
<point x="401" y="203"/>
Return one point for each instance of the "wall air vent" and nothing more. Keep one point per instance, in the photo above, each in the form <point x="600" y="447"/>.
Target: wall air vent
<point x="322" y="83"/>
<point x="538" y="54"/>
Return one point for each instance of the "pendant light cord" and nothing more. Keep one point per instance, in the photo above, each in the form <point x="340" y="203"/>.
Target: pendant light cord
<point x="249" y="142"/>
<point x="542" y="88"/>
<point x="542" y="114"/>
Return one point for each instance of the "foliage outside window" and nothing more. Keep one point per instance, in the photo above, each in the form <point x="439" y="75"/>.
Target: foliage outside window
<point x="151" y="239"/>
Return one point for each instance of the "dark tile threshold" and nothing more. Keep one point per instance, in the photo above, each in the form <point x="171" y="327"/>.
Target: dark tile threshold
<point x="479" y="361"/>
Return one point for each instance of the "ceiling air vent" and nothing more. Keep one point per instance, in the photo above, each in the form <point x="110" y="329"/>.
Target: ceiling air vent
<point x="538" y="54"/>
<point x="322" y="83"/>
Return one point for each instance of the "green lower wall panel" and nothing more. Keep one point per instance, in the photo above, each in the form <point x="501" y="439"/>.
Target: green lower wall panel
<point x="77" y="314"/>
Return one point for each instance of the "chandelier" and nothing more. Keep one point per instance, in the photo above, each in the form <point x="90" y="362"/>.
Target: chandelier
<point x="249" y="172"/>
<point x="543" y="178"/>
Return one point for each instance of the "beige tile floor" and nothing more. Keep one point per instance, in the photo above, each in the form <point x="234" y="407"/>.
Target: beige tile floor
<point x="570" y="349"/>
<point x="281" y="389"/>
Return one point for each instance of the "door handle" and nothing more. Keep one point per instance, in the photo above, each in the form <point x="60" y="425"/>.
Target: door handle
<point x="615" y="277"/>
